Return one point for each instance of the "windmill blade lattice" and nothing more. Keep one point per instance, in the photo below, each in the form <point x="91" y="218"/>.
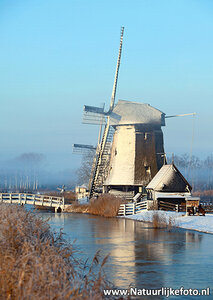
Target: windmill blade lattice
<point x="101" y="161"/>
<point x="81" y="148"/>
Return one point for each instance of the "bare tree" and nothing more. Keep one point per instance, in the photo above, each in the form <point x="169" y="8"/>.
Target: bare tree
<point x="208" y="163"/>
<point x="181" y="161"/>
<point x="29" y="164"/>
<point x="84" y="171"/>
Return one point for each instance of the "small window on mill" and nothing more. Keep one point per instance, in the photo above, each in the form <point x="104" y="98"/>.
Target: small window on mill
<point x="148" y="169"/>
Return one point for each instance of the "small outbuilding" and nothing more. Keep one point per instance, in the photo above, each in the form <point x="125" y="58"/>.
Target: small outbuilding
<point x="169" y="186"/>
<point x="81" y="191"/>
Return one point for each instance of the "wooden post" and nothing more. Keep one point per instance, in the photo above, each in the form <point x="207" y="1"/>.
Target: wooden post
<point x="11" y="201"/>
<point x="124" y="209"/>
<point x="186" y="209"/>
<point x="133" y="208"/>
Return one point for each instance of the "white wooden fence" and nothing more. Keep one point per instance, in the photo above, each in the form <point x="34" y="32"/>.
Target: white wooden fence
<point x="135" y="208"/>
<point x="33" y="199"/>
<point x="132" y="208"/>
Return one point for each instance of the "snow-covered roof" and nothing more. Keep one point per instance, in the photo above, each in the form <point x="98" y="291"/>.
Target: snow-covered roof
<point x="128" y="112"/>
<point x="169" y="178"/>
<point x="83" y="186"/>
<point x="163" y="174"/>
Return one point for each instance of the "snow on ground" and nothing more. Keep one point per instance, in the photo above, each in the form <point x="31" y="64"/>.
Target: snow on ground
<point x="83" y="200"/>
<point x="198" y="223"/>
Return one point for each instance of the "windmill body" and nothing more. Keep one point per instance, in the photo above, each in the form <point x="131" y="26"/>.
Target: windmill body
<point x="137" y="148"/>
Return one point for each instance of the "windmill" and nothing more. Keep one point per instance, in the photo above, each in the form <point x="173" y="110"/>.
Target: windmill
<point x="61" y="189"/>
<point x="131" y="150"/>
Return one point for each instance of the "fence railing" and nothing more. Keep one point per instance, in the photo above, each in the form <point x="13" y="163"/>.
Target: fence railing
<point x="207" y="206"/>
<point x="135" y="208"/>
<point x="34" y="199"/>
<point x="132" y="208"/>
<point x="167" y="206"/>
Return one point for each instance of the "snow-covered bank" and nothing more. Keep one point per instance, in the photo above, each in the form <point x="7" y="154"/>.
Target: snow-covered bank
<point x="198" y="223"/>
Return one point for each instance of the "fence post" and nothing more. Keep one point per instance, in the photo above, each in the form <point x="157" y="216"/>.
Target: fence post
<point x="11" y="201"/>
<point x="124" y="209"/>
<point x="133" y="208"/>
<point x="177" y="208"/>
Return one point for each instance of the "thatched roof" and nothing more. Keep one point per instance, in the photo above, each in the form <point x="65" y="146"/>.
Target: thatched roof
<point x="169" y="179"/>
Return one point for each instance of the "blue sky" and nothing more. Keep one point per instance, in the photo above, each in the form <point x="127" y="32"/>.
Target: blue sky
<point x="56" y="56"/>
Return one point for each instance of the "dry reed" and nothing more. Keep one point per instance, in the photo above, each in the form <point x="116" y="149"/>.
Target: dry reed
<point x="160" y="220"/>
<point x="36" y="264"/>
<point x="105" y="205"/>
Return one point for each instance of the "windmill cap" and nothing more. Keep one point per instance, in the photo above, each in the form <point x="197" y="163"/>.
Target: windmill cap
<point x="128" y="112"/>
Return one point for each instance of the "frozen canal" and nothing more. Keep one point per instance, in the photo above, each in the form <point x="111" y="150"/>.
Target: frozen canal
<point x="140" y="255"/>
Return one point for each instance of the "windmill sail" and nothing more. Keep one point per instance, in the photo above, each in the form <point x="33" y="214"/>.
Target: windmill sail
<point x="101" y="161"/>
<point x="81" y="148"/>
<point x="112" y="103"/>
<point x="94" y="115"/>
<point x="181" y="115"/>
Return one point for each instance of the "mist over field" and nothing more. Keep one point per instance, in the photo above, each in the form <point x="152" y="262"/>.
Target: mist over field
<point x="31" y="171"/>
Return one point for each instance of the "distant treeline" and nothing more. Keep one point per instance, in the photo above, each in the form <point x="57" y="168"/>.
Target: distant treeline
<point x="199" y="172"/>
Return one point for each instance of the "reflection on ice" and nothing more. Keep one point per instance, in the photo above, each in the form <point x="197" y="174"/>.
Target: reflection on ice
<point x="140" y="255"/>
